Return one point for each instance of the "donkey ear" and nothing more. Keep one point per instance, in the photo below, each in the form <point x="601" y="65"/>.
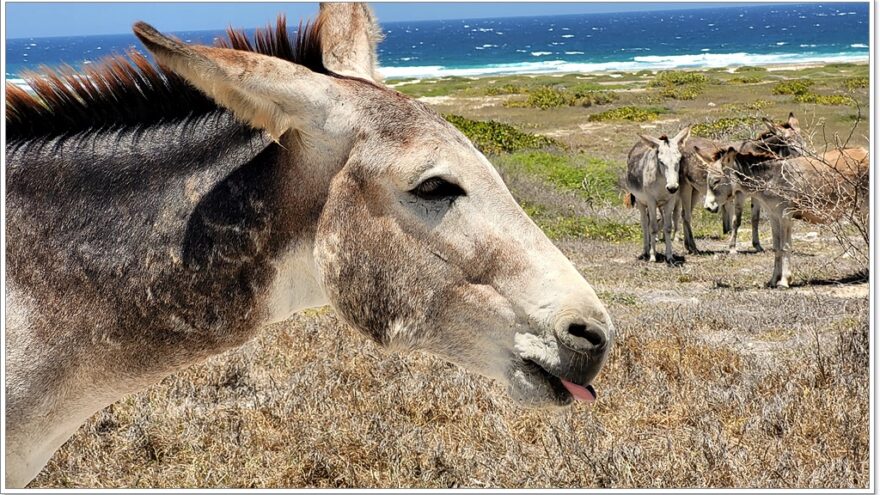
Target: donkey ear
<point x="349" y="35"/>
<point x="793" y="121"/>
<point x="651" y="141"/>
<point x="698" y="152"/>
<point x="769" y="123"/>
<point x="730" y="154"/>
<point x="266" y="92"/>
<point x="682" y="136"/>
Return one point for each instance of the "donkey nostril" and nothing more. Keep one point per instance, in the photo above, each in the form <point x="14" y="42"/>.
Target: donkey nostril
<point x="591" y="334"/>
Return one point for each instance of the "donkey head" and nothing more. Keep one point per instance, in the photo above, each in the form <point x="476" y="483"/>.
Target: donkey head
<point x="669" y="152"/>
<point x="782" y="140"/>
<point x="719" y="187"/>
<point x="414" y="238"/>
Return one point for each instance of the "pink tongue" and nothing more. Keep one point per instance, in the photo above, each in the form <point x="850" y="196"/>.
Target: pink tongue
<point x="579" y="392"/>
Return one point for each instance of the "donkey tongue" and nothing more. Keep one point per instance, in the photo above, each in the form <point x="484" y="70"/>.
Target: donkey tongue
<point x="586" y="394"/>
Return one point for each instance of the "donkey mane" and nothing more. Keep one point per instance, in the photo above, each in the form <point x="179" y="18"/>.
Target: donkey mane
<point x="133" y="92"/>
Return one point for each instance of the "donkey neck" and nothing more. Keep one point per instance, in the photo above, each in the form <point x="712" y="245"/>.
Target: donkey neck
<point x="210" y="210"/>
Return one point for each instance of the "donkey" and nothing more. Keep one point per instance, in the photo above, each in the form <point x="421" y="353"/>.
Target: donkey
<point x="816" y="189"/>
<point x="650" y="160"/>
<point x="780" y="140"/>
<point x="151" y="225"/>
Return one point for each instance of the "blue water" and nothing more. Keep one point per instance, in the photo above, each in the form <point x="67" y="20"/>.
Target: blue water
<point x="715" y="37"/>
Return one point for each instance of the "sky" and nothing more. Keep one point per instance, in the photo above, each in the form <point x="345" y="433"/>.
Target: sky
<point x="33" y="20"/>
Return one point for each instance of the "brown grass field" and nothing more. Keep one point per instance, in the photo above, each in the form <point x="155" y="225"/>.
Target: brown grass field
<point x="715" y="380"/>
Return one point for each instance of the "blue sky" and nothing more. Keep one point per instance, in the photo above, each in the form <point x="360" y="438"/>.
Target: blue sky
<point x="24" y="20"/>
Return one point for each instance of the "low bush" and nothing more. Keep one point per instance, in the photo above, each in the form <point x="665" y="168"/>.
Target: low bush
<point x="678" y="78"/>
<point x="824" y="99"/>
<point x="854" y="83"/>
<point x="505" y="89"/>
<point x="629" y="113"/>
<point x="750" y="68"/>
<point x="746" y="79"/>
<point x="584" y="227"/>
<point x="493" y="137"/>
<point x="725" y="128"/>
<point x="792" y="87"/>
<point x="688" y="92"/>
<point x="546" y="97"/>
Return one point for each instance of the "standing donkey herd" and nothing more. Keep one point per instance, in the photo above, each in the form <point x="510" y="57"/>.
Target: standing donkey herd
<point x="783" y="178"/>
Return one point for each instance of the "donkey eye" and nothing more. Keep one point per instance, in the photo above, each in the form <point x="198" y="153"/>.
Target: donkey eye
<point x="435" y="188"/>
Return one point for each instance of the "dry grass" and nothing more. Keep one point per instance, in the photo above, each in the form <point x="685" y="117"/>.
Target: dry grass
<point x="715" y="381"/>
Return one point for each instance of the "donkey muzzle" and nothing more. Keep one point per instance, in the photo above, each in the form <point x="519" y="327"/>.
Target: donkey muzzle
<point x="672" y="189"/>
<point x="583" y="345"/>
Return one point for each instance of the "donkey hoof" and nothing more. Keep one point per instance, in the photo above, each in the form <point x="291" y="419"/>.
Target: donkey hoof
<point x="652" y="258"/>
<point x="758" y="249"/>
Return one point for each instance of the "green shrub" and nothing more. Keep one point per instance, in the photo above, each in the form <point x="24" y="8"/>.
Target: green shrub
<point x="595" y="98"/>
<point x="793" y="87"/>
<point x="746" y="79"/>
<point x="630" y="113"/>
<point x="824" y="99"/>
<point x="687" y="92"/>
<point x="678" y="78"/>
<point x="571" y="226"/>
<point x="754" y="106"/>
<point x="725" y="128"/>
<point x="750" y="68"/>
<point x="546" y="97"/>
<point x="854" y="83"/>
<point x="506" y="89"/>
<point x="594" y="179"/>
<point x="493" y="137"/>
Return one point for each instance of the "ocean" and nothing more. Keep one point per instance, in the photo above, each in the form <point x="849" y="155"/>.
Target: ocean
<point x="714" y="37"/>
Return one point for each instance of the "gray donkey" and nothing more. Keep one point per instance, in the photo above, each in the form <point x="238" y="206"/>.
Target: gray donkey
<point x="157" y="216"/>
<point x="652" y="177"/>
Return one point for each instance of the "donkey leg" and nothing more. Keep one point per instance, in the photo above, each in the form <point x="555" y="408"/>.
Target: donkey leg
<point x="756" y="217"/>
<point x="687" y="206"/>
<point x="652" y="219"/>
<point x="725" y="219"/>
<point x="737" y="220"/>
<point x="668" y="212"/>
<point x="785" y="247"/>
<point x="646" y="230"/>
<point x="676" y="215"/>
<point x="775" y="225"/>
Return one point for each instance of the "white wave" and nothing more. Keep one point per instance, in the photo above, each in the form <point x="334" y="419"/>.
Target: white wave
<point x="858" y="45"/>
<point x="650" y="62"/>
<point x="574" y="53"/>
<point x="541" y="54"/>
<point x="568" y="36"/>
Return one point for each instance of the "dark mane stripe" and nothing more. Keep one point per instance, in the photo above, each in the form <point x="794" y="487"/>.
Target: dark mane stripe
<point x="125" y="92"/>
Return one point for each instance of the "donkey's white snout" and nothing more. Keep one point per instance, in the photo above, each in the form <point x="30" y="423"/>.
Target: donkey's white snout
<point x="672" y="188"/>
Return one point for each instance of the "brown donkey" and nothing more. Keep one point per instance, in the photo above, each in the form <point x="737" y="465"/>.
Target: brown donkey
<point x="151" y="225"/>
<point x="816" y="189"/>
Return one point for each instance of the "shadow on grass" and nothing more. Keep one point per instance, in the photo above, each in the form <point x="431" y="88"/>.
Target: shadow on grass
<point x="859" y="277"/>
<point x="661" y="258"/>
